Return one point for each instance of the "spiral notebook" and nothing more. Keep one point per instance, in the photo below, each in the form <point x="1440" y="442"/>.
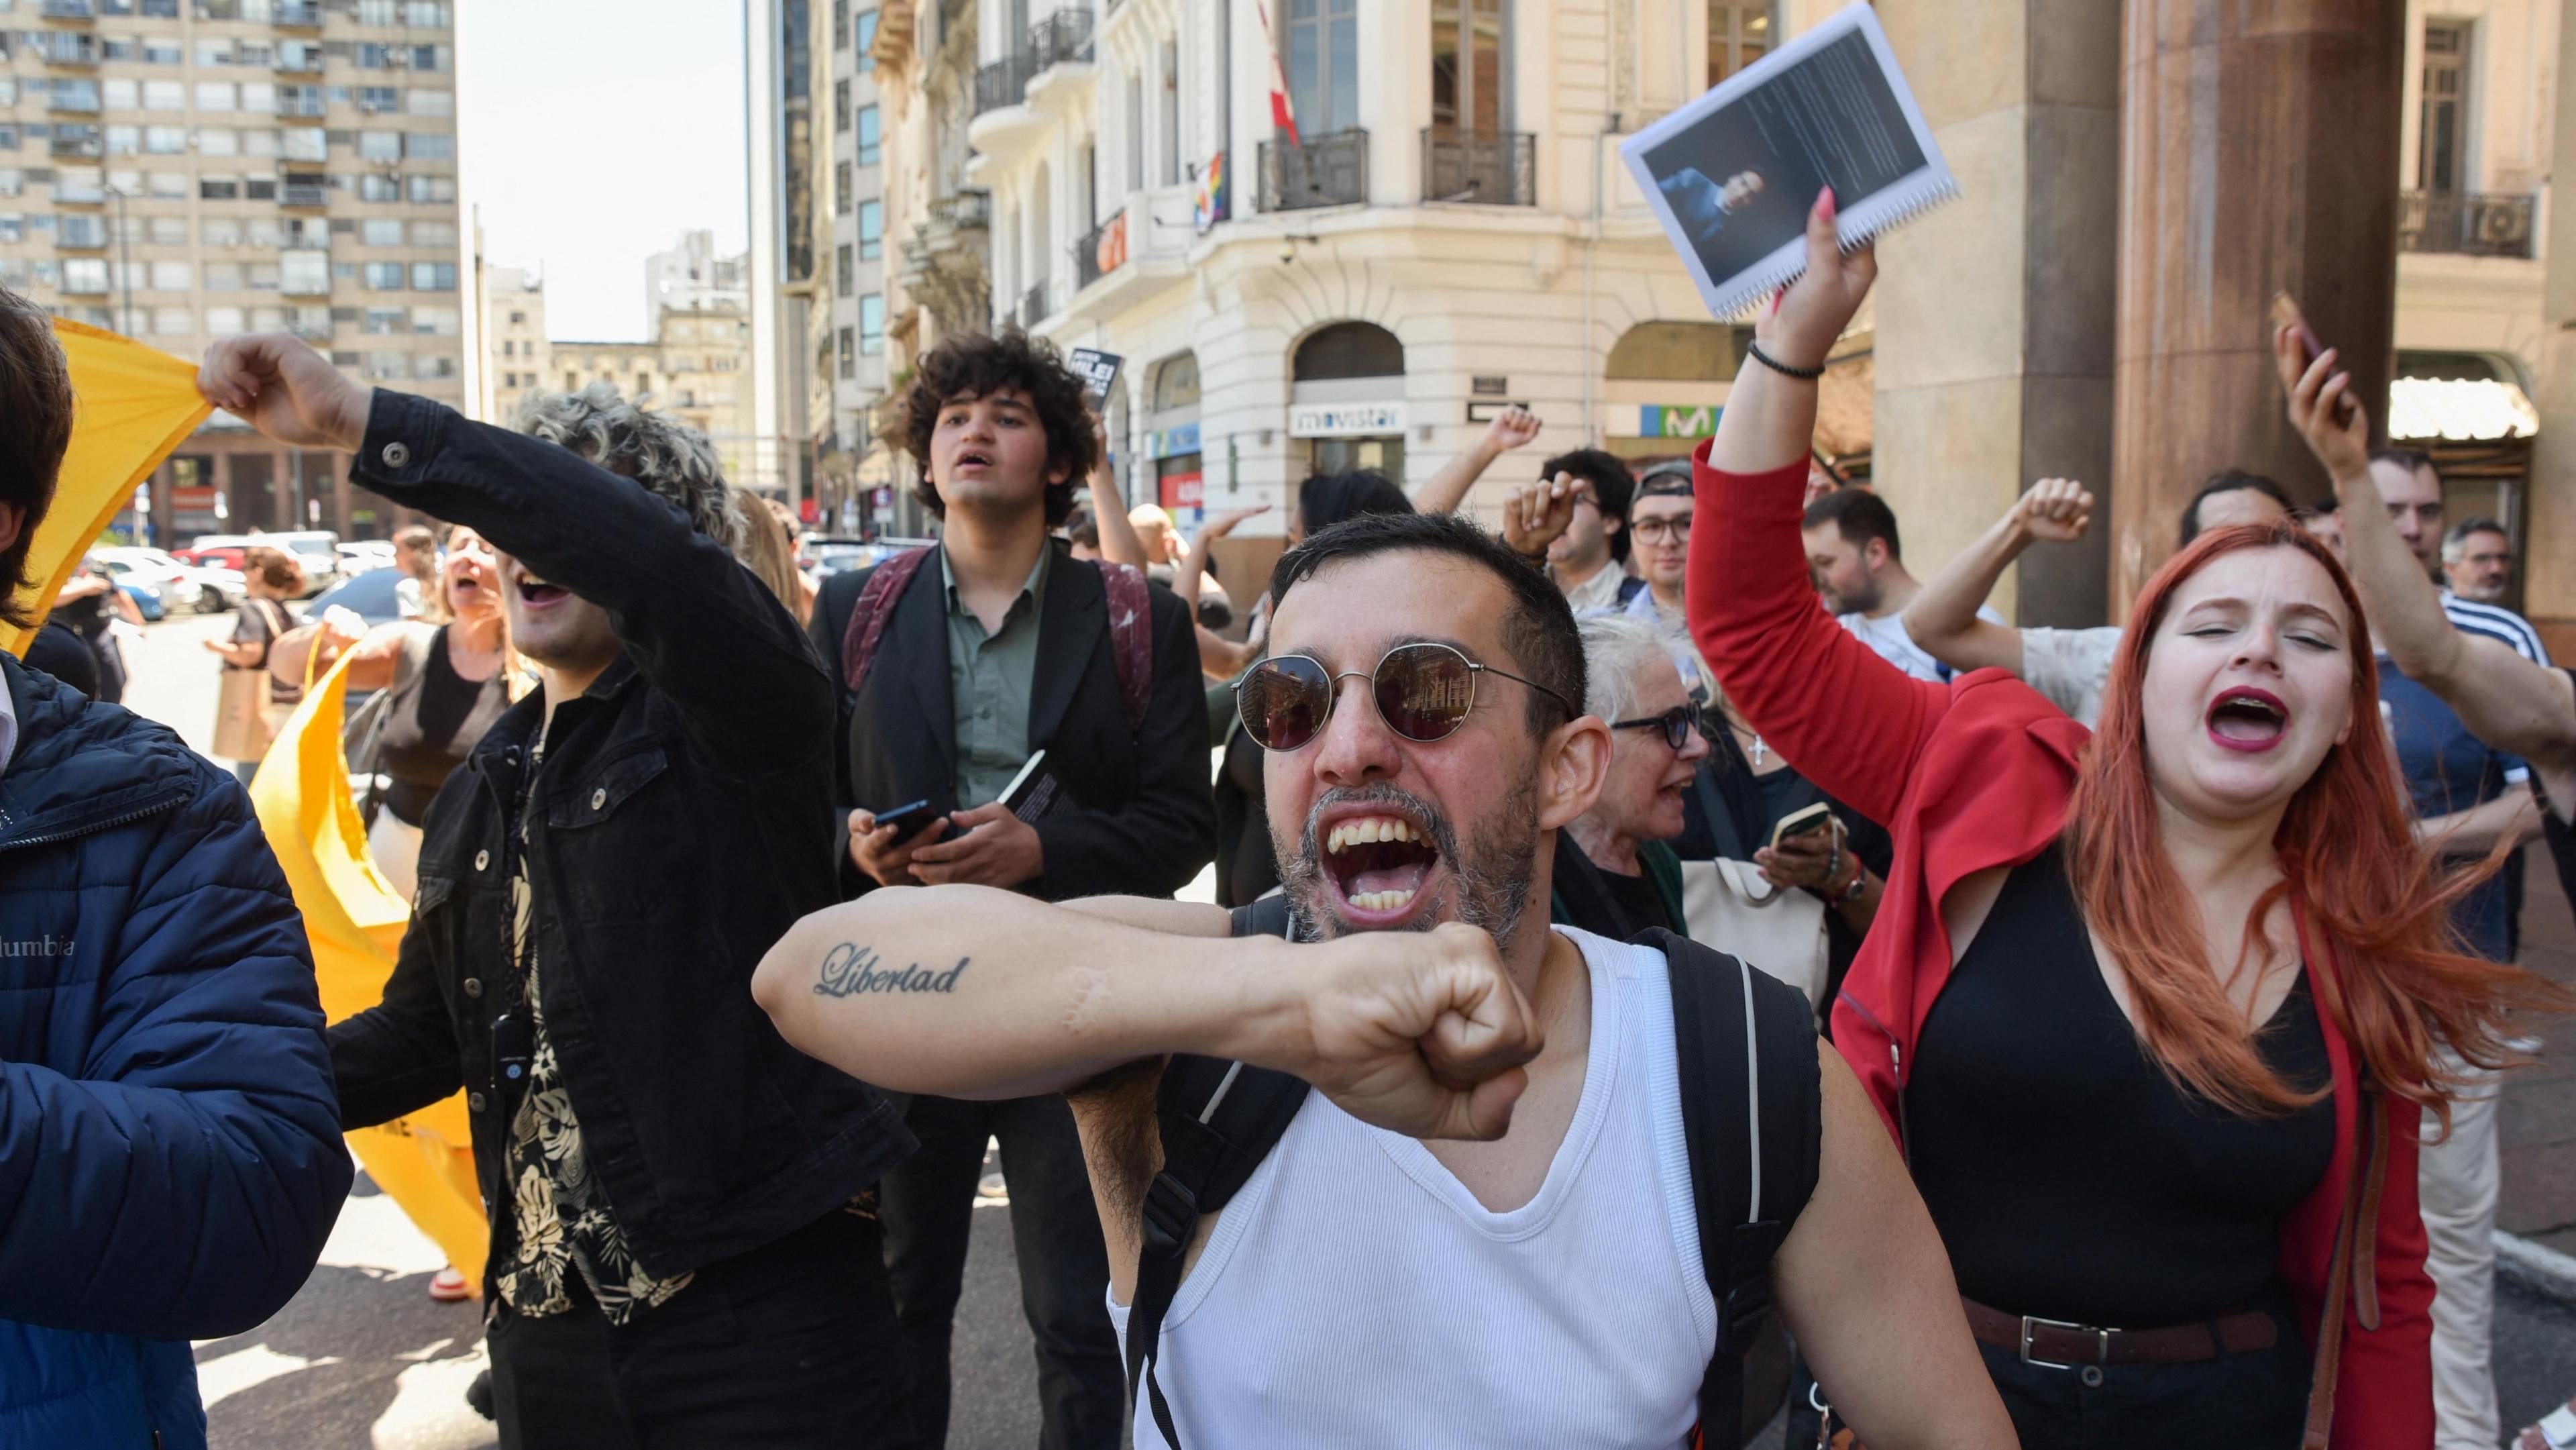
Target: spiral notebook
<point x="1732" y="175"/>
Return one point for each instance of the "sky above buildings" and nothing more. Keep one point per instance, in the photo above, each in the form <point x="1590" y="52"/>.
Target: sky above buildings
<point x="591" y="133"/>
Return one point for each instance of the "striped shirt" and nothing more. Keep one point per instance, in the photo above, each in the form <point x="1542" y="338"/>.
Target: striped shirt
<point x="2497" y="623"/>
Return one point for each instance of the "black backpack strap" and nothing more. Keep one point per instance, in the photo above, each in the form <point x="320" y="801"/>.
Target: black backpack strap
<point x="1752" y="1119"/>
<point x="1218" y="1121"/>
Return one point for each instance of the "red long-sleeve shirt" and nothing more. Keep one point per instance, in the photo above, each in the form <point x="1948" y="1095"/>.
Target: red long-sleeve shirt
<point x="1973" y="775"/>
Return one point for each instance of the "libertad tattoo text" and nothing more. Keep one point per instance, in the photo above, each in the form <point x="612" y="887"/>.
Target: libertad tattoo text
<point x="851" y="969"/>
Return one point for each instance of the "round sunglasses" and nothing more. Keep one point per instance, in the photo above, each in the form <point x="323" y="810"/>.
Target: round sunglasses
<point x="1679" y="724"/>
<point x="1423" y="692"/>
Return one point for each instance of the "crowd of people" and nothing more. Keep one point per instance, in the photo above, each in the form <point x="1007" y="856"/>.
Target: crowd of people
<point x="1669" y="963"/>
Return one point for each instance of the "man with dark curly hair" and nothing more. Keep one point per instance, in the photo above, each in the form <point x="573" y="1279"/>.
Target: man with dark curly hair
<point x="963" y="663"/>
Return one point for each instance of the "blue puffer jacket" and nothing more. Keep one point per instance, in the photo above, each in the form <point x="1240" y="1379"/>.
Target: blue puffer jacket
<point x="170" y="1152"/>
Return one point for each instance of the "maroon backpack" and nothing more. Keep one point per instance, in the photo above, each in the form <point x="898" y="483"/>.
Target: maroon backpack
<point x="1131" y="619"/>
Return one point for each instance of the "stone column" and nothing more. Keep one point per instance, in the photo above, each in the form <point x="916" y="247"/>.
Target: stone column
<point x="1994" y="314"/>
<point x="2259" y="154"/>
<point x="2549" y="550"/>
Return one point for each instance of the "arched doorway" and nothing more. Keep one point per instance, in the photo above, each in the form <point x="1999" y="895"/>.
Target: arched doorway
<point x="1346" y="399"/>
<point x="1664" y="384"/>
<point x="1172" y="441"/>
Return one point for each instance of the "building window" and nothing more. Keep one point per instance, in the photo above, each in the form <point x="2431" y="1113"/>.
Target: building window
<point x="2441" y="158"/>
<point x="1738" y="35"/>
<point x="845" y="270"/>
<point x="431" y="188"/>
<point x="379" y="100"/>
<point x="380" y="232"/>
<point x="384" y="321"/>
<point x="384" y="276"/>
<point x="840" y="105"/>
<point x="867" y="27"/>
<point x="219" y="188"/>
<point x="872" y="324"/>
<point x="841" y="188"/>
<point x="1323" y="64"/>
<point x="380" y="145"/>
<point x="433" y="276"/>
<point x="849" y="354"/>
<point x="429" y="146"/>
<point x="375" y="186"/>
<point x="871" y="230"/>
<point x="868" y="143"/>
<point x="1468" y="83"/>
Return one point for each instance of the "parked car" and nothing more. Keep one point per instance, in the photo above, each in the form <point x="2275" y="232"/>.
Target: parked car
<point x="316" y="549"/>
<point x="208" y="588"/>
<point x="146" y="597"/>
<point x="365" y="555"/>
<point x="370" y="595"/>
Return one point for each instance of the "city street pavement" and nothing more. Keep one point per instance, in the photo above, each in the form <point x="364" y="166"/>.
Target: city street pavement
<point x="363" y="1359"/>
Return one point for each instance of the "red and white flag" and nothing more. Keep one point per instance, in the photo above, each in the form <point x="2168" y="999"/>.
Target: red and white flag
<point x="1282" y="115"/>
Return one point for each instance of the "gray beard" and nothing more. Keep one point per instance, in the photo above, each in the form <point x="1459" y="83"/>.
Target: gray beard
<point x="1492" y="879"/>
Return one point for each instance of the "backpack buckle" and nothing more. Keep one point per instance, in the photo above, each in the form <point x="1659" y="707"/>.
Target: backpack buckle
<point x="1171" y="1215"/>
<point x="1741" y="1315"/>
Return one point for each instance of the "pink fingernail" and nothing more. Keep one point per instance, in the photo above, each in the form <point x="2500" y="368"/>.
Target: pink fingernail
<point x="1825" y="203"/>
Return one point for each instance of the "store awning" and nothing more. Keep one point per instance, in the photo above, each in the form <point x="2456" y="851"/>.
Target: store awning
<point x="2458" y="410"/>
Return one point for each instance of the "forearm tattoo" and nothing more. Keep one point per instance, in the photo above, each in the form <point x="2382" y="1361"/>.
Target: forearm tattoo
<point x="851" y="970"/>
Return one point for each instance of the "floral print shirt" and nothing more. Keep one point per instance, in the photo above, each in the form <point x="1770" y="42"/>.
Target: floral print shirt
<point x="561" y="1220"/>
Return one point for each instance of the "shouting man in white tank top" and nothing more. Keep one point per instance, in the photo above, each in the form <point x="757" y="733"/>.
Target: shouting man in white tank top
<point x="1478" y="1229"/>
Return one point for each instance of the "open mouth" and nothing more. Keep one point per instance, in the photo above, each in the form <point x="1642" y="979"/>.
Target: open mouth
<point x="1378" y="865"/>
<point x="974" y="458"/>
<point x="537" y="593"/>
<point x="2248" y="719"/>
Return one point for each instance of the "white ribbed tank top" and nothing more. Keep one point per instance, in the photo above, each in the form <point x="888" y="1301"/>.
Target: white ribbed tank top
<point x="1356" y="1294"/>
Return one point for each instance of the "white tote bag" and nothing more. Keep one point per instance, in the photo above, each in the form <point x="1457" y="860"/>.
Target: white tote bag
<point x="1780" y="929"/>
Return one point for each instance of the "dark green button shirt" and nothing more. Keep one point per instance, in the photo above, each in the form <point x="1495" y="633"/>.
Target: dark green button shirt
<point x="989" y="678"/>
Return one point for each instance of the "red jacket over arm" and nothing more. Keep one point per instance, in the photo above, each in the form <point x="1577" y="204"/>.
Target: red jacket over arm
<point x="1970" y="776"/>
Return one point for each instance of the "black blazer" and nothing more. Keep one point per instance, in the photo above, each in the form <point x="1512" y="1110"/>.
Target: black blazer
<point x="1139" y="819"/>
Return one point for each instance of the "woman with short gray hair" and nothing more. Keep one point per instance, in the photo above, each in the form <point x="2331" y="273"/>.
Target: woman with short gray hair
<point x="1614" y="875"/>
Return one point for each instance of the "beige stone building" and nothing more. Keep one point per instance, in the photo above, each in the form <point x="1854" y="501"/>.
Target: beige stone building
<point x="179" y="172"/>
<point x="697" y="368"/>
<point x="517" y="356"/>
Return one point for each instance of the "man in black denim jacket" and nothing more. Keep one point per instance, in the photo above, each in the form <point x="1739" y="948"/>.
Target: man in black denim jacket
<point x="675" y="780"/>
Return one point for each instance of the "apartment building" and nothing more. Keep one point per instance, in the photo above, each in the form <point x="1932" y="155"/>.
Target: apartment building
<point x="517" y="357"/>
<point x="1449" y="231"/>
<point x="937" y="281"/>
<point x="696" y="368"/>
<point x="178" y="170"/>
<point x="693" y="277"/>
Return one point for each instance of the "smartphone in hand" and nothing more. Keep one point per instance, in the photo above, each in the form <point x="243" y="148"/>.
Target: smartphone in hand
<point x="1805" y="822"/>
<point x="907" y="819"/>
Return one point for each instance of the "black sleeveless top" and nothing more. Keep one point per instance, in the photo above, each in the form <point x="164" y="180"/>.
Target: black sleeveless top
<point x="2070" y="1177"/>
<point x="432" y="726"/>
<point x="2562" y="836"/>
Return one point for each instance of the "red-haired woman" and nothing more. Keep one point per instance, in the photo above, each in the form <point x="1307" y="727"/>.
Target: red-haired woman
<point x="2147" y="1009"/>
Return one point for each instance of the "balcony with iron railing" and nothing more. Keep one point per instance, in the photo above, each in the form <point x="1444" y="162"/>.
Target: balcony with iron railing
<point x="1005" y="82"/>
<point x="296" y="15"/>
<point x="298" y="59"/>
<point x="79" y="143"/>
<point x="1101" y="251"/>
<point x="1063" y="38"/>
<point x="292" y="101"/>
<point x="2472" y="224"/>
<point x="1490" y="169"/>
<point x="304" y="194"/>
<point x="1033" y="306"/>
<point x="71" y="10"/>
<point x="79" y="233"/>
<point x="84" y="281"/>
<point x="1329" y="170"/>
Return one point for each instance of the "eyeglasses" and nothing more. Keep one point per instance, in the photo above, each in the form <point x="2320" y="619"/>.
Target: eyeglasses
<point x="1679" y="724"/>
<point x="1423" y="693"/>
<point x="1655" y="531"/>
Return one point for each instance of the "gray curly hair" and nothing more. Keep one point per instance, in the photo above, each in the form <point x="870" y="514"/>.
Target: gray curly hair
<point x="667" y="456"/>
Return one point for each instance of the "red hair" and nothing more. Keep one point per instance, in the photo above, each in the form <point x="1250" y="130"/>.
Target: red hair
<point x="2374" y="902"/>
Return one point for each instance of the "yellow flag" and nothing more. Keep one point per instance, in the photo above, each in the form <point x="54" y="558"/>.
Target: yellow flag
<point x="132" y="405"/>
<point x="355" y="920"/>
